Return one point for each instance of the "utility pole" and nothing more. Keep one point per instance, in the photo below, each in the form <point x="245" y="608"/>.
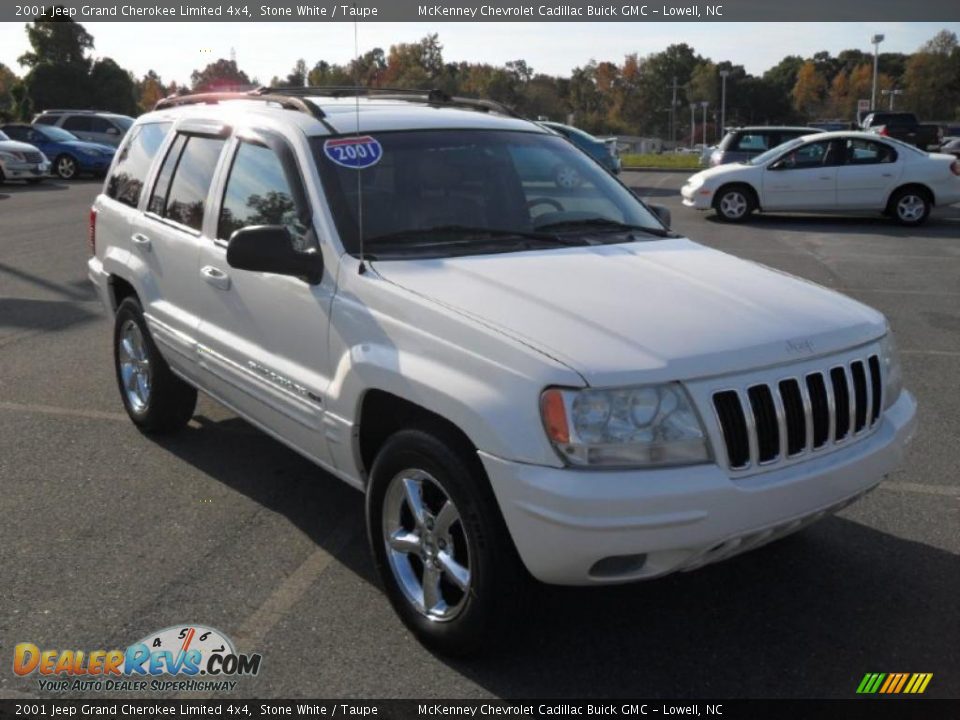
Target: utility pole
<point x="876" y="40"/>
<point x="673" y="113"/>
<point x="693" y="124"/>
<point x="723" y="102"/>
<point x="704" y="104"/>
<point x="892" y="94"/>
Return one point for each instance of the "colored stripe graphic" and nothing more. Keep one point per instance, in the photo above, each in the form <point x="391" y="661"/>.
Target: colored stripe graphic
<point x="894" y="683"/>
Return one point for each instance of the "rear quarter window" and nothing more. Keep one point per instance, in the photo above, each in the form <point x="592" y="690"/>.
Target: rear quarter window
<point x="190" y="171"/>
<point x="133" y="162"/>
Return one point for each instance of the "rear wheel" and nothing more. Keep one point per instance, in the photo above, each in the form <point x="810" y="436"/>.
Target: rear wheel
<point x="910" y="206"/>
<point x="440" y="545"/>
<point x="155" y="399"/>
<point x="734" y="203"/>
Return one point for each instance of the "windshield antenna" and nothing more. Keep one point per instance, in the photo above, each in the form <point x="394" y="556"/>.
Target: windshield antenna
<point x="356" y="82"/>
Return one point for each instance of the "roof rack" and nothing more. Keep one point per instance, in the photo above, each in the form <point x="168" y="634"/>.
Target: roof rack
<point x="213" y="98"/>
<point x="434" y="96"/>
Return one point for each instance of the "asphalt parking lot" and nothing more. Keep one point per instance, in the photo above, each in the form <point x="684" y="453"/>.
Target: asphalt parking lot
<point x="107" y="535"/>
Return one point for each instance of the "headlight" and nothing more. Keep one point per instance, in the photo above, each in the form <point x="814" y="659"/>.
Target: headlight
<point x="651" y="425"/>
<point x="892" y="373"/>
<point x="9" y="155"/>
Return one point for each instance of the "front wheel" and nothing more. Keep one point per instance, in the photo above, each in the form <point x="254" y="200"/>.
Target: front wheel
<point x="66" y="167"/>
<point x="734" y="203"/>
<point x="439" y="543"/>
<point x="910" y="206"/>
<point x="155" y="399"/>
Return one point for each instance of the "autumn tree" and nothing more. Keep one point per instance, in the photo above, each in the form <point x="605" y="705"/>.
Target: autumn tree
<point x="809" y="90"/>
<point x="151" y="91"/>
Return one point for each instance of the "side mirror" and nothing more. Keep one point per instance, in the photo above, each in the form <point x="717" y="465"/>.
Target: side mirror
<point x="661" y="212"/>
<point x="778" y="165"/>
<point x="269" y="248"/>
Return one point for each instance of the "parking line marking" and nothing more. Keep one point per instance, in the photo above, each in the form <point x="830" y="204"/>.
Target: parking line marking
<point x="62" y="411"/>
<point x="923" y="488"/>
<point x="255" y="628"/>
<point x="945" y="353"/>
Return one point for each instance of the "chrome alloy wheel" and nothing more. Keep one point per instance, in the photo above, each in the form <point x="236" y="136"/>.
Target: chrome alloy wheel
<point x="66" y="167"/>
<point x="733" y="204"/>
<point x="911" y="208"/>
<point x="135" y="371"/>
<point x="426" y="545"/>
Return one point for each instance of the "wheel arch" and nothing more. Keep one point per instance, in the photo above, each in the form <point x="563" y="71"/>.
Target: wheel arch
<point x="918" y="186"/>
<point x="745" y="184"/>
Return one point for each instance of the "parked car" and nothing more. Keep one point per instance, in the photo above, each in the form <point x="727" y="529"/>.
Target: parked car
<point x="742" y="144"/>
<point x="70" y="156"/>
<point x="706" y="152"/>
<point x="951" y="146"/>
<point x="904" y="126"/>
<point x="838" y="171"/>
<point x="20" y="161"/>
<point x="522" y="379"/>
<point x="603" y="151"/>
<point x="99" y="127"/>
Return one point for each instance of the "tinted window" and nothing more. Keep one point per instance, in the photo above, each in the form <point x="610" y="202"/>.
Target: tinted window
<point x="133" y="162"/>
<point x="867" y="152"/>
<point x="187" y="196"/>
<point x="158" y="199"/>
<point x="258" y="193"/>
<point x="753" y="142"/>
<point x="46" y="120"/>
<point x="17" y="132"/>
<point x="55" y="134"/>
<point x="99" y="125"/>
<point x="75" y="123"/>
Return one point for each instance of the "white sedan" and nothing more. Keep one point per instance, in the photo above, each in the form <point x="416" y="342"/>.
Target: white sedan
<point x="835" y="171"/>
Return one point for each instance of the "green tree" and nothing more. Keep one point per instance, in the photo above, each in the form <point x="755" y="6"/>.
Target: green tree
<point x="56" y="41"/>
<point x="222" y="75"/>
<point x="113" y="88"/>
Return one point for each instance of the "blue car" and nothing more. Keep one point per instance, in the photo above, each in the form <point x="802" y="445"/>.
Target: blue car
<point x="69" y="156"/>
<point x="603" y="152"/>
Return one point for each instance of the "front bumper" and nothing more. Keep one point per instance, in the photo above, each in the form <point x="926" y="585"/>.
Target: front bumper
<point x="564" y="521"/>
<point x="26" y="170"/>
<point x="700" y="198"/>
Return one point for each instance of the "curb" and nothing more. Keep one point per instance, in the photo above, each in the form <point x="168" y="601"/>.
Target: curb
<point x="661" y="170"/>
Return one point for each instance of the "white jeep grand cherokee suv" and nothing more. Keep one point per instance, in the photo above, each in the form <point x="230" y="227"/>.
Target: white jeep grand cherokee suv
<point x="523" y="377"/>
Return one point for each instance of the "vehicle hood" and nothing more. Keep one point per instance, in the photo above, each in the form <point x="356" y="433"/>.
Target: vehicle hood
<point x="85" y="145"/>
<point x="719" y="172"/>
<point x="16" y="146"/>
<point x="643" y="312"/>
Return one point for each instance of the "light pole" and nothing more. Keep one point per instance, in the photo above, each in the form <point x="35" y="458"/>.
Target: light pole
<point x="892" y="94"/>
<point x="704" y="104"/>
<point x="876" y="40"/>
<point x="693" y="124"/>
<point x="723" y="100"/>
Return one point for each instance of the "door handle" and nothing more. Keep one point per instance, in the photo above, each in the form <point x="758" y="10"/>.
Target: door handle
<point x="140" y="240"/>
<point x="216" y="277"/>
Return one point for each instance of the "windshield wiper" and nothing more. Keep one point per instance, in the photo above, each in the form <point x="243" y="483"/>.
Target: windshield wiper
<point x="603" y="225"/>
<point x="460" y="235"/>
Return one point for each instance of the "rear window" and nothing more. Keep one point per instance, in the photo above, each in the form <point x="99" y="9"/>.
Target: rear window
<point x="191" y="170"/>
<point x="752" y="142"/>
<point x="46" y="120"/>
<point x="133" y="163"/>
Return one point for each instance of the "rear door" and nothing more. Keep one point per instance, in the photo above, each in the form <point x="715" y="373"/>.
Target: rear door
<point x="263" y="337"/>
<point x="869" y="173"/>
<point x="166" y="240"/>
<point x="803" y="179"/>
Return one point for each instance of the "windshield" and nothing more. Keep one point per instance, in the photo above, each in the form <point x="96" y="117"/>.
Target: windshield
<point x="122" y="120"/>
<point x="764" y="158"/>
<point x="3" y="136"/>
<point x="474" y="191"/>
<point x="55" y="133"/>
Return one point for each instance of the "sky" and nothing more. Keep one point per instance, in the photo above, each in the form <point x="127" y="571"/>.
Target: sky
<point x="267" y="49"/>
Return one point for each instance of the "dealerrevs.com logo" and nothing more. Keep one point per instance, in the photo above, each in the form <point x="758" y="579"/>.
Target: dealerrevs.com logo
<point x="181" y="658"/>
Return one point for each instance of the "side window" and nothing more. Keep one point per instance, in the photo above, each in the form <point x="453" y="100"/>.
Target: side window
<point x="753" y="142"/>
<point x="806" y="156"/>
<point x="46" y="120"/>
<point x="133" y="162"/>
<point x="187" y="194"/>
<point x="866" y="152"/>
<point x="77" y="123"/>
<point x="258" y="193"/>
<point x="16" y="132"/>
<point x="158" y="198"/>
<point x="99" y="125"/>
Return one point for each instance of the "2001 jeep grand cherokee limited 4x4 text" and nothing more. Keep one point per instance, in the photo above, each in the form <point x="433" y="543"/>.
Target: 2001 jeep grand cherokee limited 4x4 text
<point x="522" y="376"/>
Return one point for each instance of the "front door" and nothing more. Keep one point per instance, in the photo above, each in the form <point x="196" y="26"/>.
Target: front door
<point x="803" y="179"/>
<point x="264" y="336"/>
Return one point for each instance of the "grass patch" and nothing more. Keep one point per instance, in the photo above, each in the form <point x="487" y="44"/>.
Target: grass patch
<point x="672" y="161"/>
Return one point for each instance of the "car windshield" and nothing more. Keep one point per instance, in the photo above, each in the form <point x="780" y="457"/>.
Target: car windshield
<point x="764" y="158"/>
<point x="3" y="136"/>
<point x="56" y="134"/>
<point x="473" y="191"/>
<point x="122" y="120"/>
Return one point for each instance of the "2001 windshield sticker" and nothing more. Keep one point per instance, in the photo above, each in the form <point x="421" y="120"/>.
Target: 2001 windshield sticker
<point x="171" y="659"/>
<point x="356" y="152"/>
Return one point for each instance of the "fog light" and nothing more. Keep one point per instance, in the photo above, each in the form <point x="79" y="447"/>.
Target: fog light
<point x="618" y="565"/>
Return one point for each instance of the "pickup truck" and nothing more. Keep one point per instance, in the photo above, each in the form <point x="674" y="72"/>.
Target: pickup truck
<point x="903" y="126"/>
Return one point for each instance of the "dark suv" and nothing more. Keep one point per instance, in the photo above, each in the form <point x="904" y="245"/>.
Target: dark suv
<point x="740" y="144"/>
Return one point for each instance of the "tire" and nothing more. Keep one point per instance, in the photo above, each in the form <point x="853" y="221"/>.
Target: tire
<point x="157" y="401"/>
<point x="66" y="167"/>
<point x="910" y="206"/>
<point x="734" y="203"/>
<point x="481" y="585"/>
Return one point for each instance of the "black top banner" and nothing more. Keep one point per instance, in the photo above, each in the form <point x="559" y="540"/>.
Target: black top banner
<point x="492" y="11"/>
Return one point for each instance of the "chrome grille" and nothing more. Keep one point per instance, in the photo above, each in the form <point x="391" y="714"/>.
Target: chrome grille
<point x="32" y="157"/>
<point x="767" y="423"/>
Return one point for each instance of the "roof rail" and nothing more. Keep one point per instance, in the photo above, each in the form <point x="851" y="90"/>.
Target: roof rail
<point x="433" y="96"/>
<point x="213" y="98"/>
